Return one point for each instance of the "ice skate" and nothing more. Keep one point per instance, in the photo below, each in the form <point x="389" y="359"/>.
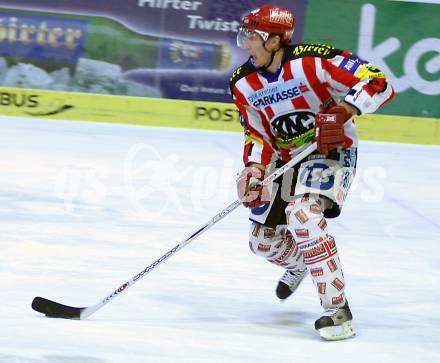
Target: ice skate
<point x="289" y="282"/>
<point x="335" y="324"/>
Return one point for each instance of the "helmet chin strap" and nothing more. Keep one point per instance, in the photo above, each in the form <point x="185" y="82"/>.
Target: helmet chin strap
<point x="272" y="56"/>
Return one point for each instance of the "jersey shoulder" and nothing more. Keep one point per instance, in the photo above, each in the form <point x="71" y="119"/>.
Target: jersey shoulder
<point x="296" y="51"/>
<point x="240" y="72"/>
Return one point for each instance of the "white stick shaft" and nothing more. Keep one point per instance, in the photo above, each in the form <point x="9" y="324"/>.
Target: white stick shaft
<point x="218" y="217"/>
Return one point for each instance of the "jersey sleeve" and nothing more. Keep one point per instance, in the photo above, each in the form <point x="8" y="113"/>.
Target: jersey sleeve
<point x="257" y="148"/>
<point x="360" y="83"/>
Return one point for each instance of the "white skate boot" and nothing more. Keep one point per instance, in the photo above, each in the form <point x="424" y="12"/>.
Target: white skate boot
<point x="289" y="282"/>
<point x="335" y="324"/>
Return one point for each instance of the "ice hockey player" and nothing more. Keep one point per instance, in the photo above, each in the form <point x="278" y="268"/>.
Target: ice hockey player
<point x="286" y="93"/>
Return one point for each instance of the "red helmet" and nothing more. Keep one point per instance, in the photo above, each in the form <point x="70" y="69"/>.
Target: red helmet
<point x="271" y="19"/>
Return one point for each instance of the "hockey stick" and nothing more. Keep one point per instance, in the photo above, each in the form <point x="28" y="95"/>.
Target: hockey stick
<point x="56" y="310"/>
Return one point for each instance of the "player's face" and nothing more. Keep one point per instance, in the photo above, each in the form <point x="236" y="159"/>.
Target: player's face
<point x="253" y="42"/>
<point x="260" y="56"/>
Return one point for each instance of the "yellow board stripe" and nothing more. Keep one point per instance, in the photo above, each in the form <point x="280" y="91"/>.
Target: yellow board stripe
<point x="412" y="130"/>
<point x="186" y="114"/>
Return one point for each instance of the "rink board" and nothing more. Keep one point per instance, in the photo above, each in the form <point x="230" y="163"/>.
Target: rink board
<point x="186" y="114"/>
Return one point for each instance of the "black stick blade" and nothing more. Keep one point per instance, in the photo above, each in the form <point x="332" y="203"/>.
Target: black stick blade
<point x="53" y="309"/>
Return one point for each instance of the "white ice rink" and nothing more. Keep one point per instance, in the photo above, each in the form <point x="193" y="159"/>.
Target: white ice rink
<point x="85" y="206"/>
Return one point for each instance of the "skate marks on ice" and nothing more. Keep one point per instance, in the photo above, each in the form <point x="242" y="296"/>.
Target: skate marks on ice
<point x="214" y="302"/>
<point x="228" y="311"/>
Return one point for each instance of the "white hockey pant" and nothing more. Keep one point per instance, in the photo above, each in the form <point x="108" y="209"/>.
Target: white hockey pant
<point x="276" y="245"/>
<point x="309" y="228"/>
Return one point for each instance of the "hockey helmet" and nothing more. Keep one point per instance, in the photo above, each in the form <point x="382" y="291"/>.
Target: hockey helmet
<point x="264" y="21"/>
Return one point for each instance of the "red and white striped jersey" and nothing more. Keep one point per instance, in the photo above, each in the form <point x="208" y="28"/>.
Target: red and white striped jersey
<point x="278" y="110"/>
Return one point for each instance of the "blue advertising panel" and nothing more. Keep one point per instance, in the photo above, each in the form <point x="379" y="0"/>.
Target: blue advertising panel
<point x="178" y="49"/>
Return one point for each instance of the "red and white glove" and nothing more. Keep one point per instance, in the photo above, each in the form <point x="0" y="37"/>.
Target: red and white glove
<point x="329" y="129"/>
<point x="249" y="187"/>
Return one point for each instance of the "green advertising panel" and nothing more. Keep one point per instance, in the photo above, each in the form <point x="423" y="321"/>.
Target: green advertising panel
<point x="401" y="37"/>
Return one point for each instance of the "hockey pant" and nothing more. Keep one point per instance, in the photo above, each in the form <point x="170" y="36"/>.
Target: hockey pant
<point x="311" y="247"/>
<point x="301" y="240"/>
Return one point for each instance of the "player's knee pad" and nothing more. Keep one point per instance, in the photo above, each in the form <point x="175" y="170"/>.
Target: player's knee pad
<point x="305" y="218"/>
<point x="276" y="245"/>
<point x="264" y="241"/>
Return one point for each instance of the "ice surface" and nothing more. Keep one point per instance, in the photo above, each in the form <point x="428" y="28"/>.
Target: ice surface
<point x="85" y="206"/>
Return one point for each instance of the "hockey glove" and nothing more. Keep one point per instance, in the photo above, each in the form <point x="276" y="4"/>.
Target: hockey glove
<point x="249" y="187"/>
<point x="329" y="129"/>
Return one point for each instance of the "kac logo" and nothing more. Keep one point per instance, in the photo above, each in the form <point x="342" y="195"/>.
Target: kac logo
<point x="292" y="124"/>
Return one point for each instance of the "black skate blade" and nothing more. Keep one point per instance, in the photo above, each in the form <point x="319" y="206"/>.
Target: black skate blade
<point x="53" y="309"/>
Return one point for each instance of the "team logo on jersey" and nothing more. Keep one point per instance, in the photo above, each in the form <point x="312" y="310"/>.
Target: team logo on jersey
<point x="277" y="92"/>
<point x="293" y="128"/>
